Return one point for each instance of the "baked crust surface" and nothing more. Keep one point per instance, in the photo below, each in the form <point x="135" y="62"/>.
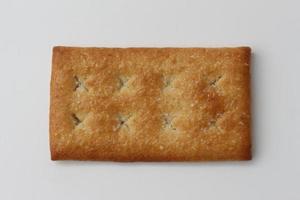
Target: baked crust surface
<point x="150" y="104"/>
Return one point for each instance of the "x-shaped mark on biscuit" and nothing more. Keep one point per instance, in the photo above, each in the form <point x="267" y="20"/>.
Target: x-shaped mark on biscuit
<point x="122" y="122"/>
<point x="167" y="122"/>
<point x="79" y="85"/>
<point x="167" y="82"/>
<point x="214" y="81"/>
<point x="76" y="120"/>
<point x="123" y="82"/>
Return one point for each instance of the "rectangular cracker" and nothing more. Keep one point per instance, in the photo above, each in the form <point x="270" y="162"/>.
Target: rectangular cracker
<point x="150" y="104"/>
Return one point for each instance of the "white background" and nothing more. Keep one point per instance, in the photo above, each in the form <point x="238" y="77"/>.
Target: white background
<point x="29" y="30"/>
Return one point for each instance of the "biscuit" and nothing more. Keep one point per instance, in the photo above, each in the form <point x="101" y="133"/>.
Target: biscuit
<point x="150" y="104"/>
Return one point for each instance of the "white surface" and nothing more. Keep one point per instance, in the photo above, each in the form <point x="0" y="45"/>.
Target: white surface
<point x="29" y="29"/>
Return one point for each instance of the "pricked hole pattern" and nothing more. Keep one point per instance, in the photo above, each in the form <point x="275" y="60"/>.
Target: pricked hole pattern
<point x="167" y="122"/>
<point x="122" y="122"/>
<point x="79" y="84"/>
<point x="123" y="119"/>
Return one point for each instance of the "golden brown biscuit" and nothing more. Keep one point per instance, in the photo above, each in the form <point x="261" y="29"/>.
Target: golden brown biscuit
<point x="150" y="104"/>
